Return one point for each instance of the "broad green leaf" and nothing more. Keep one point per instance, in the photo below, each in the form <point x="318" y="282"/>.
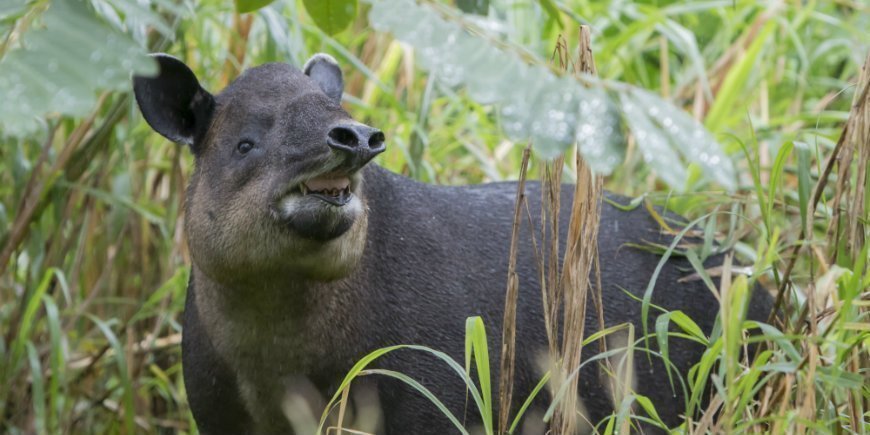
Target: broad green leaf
<point x="479" y="7"/>
<point x="61" y="67"/>
<point x="245" y="6"/>
<point x="137" y="18"/>
<point x="599" y="132"/>
<point x="652" y="142"/>
<point x="552" y="10"/>
<point x="688" y="137"/>
<point x="555" y="112"/>
<point x="9" y="12"/>
<point x="332" y="16"/>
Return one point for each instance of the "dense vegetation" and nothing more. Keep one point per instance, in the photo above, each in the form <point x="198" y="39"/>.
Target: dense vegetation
<point x="93" y="265"/>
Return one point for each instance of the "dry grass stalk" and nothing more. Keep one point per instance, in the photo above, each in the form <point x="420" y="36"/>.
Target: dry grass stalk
<point x="857" y="135"/>
<point x="509" y="330"/>
<point x="581" y="253"/>
<point x="551" y="185"/>
<point x="845" y="234"/>
<point x="856" y="138"/>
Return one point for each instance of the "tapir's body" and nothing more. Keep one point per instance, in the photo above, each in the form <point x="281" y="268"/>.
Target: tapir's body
<point x="291" y="286"/>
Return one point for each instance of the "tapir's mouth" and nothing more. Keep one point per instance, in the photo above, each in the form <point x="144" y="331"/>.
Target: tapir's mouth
<point x="334" y="190"/>
<point x="320" y="206"/>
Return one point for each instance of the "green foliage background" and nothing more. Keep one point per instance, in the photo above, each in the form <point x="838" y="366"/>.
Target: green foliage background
<point x="92" y="252"/>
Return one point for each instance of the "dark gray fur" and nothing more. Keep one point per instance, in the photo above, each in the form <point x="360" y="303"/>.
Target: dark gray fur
<point x="273" y="298"/>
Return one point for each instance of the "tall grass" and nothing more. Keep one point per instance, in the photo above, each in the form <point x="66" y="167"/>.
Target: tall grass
<point x="93" y="269"/>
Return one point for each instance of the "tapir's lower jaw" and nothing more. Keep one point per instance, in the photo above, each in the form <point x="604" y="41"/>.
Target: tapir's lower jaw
<point x="319" y="217"/>
<point x="339" y="200"/>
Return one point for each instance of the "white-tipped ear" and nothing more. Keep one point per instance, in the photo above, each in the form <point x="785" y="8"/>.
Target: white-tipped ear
<point x="324" y="70"/>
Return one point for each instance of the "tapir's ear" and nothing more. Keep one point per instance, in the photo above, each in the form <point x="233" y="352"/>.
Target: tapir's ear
<point x="324" y="70"/>
<point x="173" y="102"/>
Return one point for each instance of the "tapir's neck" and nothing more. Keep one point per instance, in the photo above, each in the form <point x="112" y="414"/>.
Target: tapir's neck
<point x="295" y="322"/>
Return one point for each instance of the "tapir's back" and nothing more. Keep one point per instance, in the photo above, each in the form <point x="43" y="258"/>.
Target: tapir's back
<point x="441" y="255"/>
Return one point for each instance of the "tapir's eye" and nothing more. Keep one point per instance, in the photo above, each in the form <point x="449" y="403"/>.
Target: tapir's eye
<point x="244" y="146"/>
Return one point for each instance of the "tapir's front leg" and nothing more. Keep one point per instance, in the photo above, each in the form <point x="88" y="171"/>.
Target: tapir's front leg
<point x="211" y="385"/>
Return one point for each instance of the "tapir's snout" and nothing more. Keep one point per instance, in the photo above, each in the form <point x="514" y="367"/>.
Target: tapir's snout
<point x="359" y="143"/>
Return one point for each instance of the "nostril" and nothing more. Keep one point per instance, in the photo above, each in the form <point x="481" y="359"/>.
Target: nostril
<point x="377" y="140"/>
<point x="344" y="136"/>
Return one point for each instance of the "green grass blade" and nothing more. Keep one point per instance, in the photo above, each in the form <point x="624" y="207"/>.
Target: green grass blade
<point x="422" y="390"/>
<point x="747" y="387"/>
<point x="552" y="11"/>
<point x="696" y="263"/>
<point x="737" y="78"/>
<point x="650" y="409"/>
<point x="776" y="174"/>
<point x="701" y="373"/>
<point x="737" y="300"/>
<point x="528" y="402"/>
<point x="121" y="361"/>
<point x="371" y="357"/>
<point x="662" y="323"/>
<point x="647" y="294"/>
<point x="27" y="321"/>
<point x="476" y="334"/>
<point x="804" y="182"/>
<point x="37" y="389"/>
<point x="57" y="364"/>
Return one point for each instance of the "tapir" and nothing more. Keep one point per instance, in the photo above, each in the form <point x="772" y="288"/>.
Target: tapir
<point x="306" y="256"/>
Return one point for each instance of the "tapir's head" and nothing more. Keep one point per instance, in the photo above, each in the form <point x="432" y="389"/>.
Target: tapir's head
<point x="277" y="187"/>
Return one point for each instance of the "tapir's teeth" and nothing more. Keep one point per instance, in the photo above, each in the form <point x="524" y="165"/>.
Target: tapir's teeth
<point x="327" y="183"/>
<point x="335" y="187"/>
